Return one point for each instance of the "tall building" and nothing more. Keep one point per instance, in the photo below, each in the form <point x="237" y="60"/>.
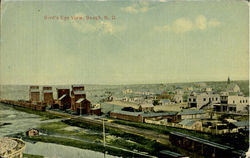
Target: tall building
<point x="34" y="94"/>
<point x="63" y="98"/>
<point x="77" y="94"/>
<point x="48" y="95"/>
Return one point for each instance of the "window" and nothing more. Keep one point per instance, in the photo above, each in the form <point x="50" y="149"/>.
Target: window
<point x="216" y="99"/>
<point x="194" y="100"/>
<point x="246" y="101"/>
<point x="189" y="99"/>
<point x="240" y="101"/>
<point x="213" y="99"/>
<point x="233" y="101"/>
<point x="243" y="101"/>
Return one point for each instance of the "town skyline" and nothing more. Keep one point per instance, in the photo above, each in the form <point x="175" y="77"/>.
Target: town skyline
<point x="123" y="84"/>
<point x="140" y="42"/>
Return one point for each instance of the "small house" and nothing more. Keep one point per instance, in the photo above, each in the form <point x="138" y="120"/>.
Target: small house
<point x="34" y="94"/>
<point x="191" y="124"/>
<point x="240" y="126"/>
<point x="146" y="107"/>
<point x="32" y="132"/>
<point x="192" y="114"/>
<point x="178" y="98"/>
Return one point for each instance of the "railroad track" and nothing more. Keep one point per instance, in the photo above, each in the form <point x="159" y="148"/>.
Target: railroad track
<point x="153" y="135"/>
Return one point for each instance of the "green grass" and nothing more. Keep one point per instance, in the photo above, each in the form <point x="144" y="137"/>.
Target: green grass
<point x="31" y="156"/>
<point x="82" y="145"/>
<point x="44" y="115"/>
<point x="141" y="143"/>
<point x="58" y="128"/>
<point x="137" y="142"/>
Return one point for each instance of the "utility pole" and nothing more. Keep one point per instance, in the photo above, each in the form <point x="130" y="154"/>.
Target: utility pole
<point x="104" y="142"/>
<point x="80" y="109"/>
<point x="216" y="128"/>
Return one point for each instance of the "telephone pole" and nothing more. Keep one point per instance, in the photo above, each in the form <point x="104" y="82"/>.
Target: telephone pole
<point x="104" y="141"/>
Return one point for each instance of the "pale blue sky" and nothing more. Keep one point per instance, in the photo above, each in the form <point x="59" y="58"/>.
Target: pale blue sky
<point x="148" y="42"/>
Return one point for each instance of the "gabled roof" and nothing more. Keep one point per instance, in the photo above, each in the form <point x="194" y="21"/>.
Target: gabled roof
<point x="232" y="85"/>
<point x="156" y="114"/>
<point x="127" y="112"/>
<point x="191" y="112"/>
<point x="187" y="122"/>
<point x="241" y="123"/>
<point x="150" y="114"/>
<point x="146" y="105"/>
<point x="80" y="100"/>
<point x="62" y="97"/>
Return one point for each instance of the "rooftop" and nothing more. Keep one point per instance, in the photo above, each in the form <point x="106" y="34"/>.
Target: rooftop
<point x="191" y="112"/>
<point x="62" y="97"/>
<point x="79" y="92"/>
<point x="187" y="122"/>
<point x="146" y="105"/>
<point x="127" y="112"/>
<point x="154" y="114"/>
<point x="150" y="114"/>
<point x="241" y="123"/>
<point x="80" y="100"/>
<point x="77" y="85"/>
<point x="47" y="91"/>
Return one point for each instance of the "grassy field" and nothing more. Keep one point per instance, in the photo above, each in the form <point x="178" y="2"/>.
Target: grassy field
<point x="59" y="128"/>
<point x="132" y="141"/>
<point x="44" y="115"/>
<point x="82" y="145"/>
<point x="114" y="137"/>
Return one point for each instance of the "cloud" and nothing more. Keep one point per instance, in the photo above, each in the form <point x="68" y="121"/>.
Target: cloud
<point x="213" y="23"/>
<point x="140" y="7"/>
<point x="108" y="27"/>
<point x="104" y="27"/>
<point x="201" y="22"/>
<point x="182" y="25"/>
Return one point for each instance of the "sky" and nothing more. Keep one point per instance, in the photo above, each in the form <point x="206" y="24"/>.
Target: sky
<point x="124" y="42"/>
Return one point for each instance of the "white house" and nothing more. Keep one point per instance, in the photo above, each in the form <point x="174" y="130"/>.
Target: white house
<point x="198" y="100"/>
<point x="231" y="103"/>
<point x="178" y="98"/>
<point x="127" y="91"/>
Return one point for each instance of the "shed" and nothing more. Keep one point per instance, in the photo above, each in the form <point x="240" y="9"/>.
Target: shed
<point x="32" y="132"/>
<point x="191" y="124"/>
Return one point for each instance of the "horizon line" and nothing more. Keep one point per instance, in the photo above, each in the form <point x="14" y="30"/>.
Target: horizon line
<point x="25" y="84"/>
